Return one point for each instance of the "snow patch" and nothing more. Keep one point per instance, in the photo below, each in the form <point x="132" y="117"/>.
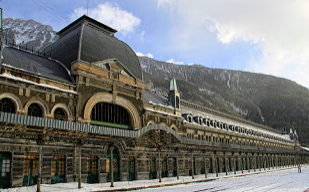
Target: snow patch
<point x="206" y="91"/>
<point x="243" y="112"/>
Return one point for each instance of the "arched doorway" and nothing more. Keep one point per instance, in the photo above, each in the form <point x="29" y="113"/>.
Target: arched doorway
<point x="108" y="114"/>
<point x="116" y="165"/>
<point x="5" y="169"/>
<point x="7" y="105"/>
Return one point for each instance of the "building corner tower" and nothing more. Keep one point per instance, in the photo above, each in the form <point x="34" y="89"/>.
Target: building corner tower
<point x="174" y="96"/>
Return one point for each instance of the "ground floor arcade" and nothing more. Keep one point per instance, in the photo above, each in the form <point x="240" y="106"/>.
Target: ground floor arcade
<point x="24" y="164"/>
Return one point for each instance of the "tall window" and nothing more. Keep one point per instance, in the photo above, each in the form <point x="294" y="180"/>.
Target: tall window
<point x="60" y="114"/>
<point x="177" y="102"/>
<point x="6" y="105"/>
<point x="106" y="112"/>
<point x="92" y="165"/>
<point x="35" y="110"/>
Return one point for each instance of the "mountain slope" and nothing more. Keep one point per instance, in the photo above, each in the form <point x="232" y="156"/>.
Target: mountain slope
<point x="28" y="32"/>
<point x="272" y="101"/>
<point x="265" y="99"/>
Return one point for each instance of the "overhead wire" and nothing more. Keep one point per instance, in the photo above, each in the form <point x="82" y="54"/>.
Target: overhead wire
<point x="48" y="9"/>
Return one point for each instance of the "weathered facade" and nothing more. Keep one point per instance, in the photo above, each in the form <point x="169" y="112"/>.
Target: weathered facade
<point x="68" y="112"/>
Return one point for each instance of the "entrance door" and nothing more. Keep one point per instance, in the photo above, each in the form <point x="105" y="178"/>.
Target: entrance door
<point x="230" y="164"/>
<point x="31" y="164"/>
<point x="174" y="167"/>
<point x="210" y="165"/>
<point x="92" y="169"/>
<point x="5" y="170"/>
<point x="164" y="167"/>
<point x="152" y="168"/>
<point x="116" y="166"/>
<point x="131" y="168"/>
<point x="58" y="168"/>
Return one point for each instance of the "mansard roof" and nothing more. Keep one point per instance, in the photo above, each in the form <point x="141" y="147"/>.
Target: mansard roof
<point x="156" y="99"/>
<point x="90" y="41"/>
<point x="35" y="65"/>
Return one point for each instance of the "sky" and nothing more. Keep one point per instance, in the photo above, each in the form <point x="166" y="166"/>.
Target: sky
<point x="261" y="36"/>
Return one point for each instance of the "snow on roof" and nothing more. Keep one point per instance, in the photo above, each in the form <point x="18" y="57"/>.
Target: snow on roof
<point x="6" y="75"/>
<point x="305" y="148"/>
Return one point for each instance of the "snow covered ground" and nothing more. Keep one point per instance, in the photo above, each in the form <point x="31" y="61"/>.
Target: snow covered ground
<point x="274" y="180"/>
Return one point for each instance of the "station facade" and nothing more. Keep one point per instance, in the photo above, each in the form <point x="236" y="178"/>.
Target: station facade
<point x="80" y="111"/>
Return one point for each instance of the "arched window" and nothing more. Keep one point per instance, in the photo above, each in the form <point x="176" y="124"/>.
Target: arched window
<point x="110" y="115"/>
<point x="7" y="105"/>
<point x="35" y="110"/>
<point x="60" y="114"/>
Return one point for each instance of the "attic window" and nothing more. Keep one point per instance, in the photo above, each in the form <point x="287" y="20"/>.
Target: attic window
<point x="190" y="119"/>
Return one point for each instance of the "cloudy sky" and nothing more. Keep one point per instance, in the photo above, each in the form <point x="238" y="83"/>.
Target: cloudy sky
<point x="264" y="36"/>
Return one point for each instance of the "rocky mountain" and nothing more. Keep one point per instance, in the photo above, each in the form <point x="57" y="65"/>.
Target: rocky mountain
<point x="269" y="100"/>
<point x="272" y="101"/>
<point x="28" y="32"/>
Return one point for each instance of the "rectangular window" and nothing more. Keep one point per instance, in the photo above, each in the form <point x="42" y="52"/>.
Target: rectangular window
<point x="31" y="164"/>
<point x="58" y="165"/>
<point x="92" y="164"/>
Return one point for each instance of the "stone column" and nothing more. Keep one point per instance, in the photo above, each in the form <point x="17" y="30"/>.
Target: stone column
<point x="248" y="163"/>
<point x="205" y="165"/>
<point x="135" y="169"/>
<point x="112" y="167"/>
<point x="264" y="162"/>
<point x="79" y="167"/>
<point x="261" y="162"/>
<point x="40" y="169"/>
<point x="177" y="165"/>
<point x="225" y="165"/>
<point x="254" y="159"/>
<point x="160" y="171"/>
<point x="192" y="165"/>
<point x="216" y="164"/>
<point x="242" y="164"/>
<point x="234" y="163"/>
<point x="269" y="162"/>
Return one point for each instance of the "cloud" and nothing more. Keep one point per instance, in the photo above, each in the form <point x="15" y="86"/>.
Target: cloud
<point x="144" y="55"/>
<point x="174" y="62"/>
<point x="111" y="15"/>
<point x="279" y="28"/>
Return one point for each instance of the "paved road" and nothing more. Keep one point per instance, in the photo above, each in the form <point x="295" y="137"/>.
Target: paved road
<point x="284" y="180"/>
